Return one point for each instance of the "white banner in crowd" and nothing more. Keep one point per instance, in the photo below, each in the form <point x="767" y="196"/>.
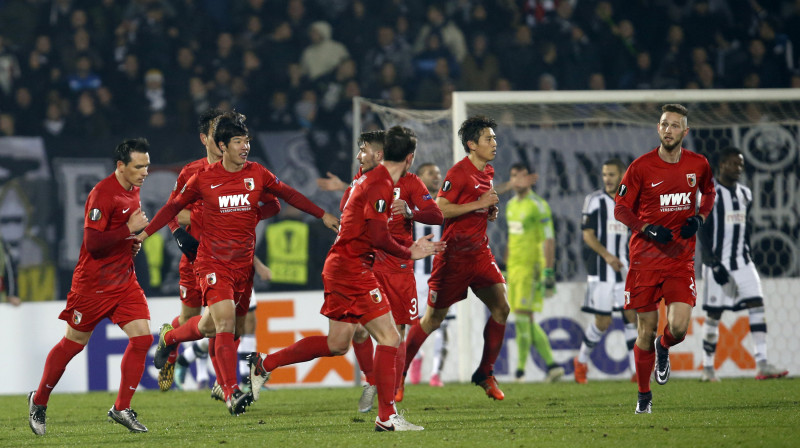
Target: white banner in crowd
<point x="284" y="318"/>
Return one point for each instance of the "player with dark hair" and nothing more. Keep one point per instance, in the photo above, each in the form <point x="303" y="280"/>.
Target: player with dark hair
<point x="607" y="267"/>
<point x="657" y="200"/>
<point x="353" y="294"/>
<point x="732" y="281"/>
<point x="530" y="264"/>
<point x="468" y="201"/>
<point x="104" y="285"/>
<point x="229" y="191"/>
<point x="188" y="239"/>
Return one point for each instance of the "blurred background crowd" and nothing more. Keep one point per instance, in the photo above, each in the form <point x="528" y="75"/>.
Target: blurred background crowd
<point x="72" y="70"/>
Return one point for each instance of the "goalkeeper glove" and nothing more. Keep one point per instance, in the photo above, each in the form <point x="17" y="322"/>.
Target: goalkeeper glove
<point x="691" y="226"/>
<point x="721" y="275"/>
<point x="186" y="243"/>
<point x="658" y="233"/>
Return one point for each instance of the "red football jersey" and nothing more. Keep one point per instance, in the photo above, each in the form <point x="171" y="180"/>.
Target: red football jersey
<point x="464" y="184"/>
<point x="662" y="193"/>
<point x="352" y="253"/>
<point x="411" y="189"/>
<point x="195" y="209"/>
<point x="108" y="207"/>
<point x="229" y="211"/>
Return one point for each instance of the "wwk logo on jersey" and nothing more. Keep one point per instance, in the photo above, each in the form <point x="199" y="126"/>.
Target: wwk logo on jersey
<point x="234" y="203"/>
<point x="676" y="201"/>
<point x="691" y="179"/>
<point x="249" y="184"/>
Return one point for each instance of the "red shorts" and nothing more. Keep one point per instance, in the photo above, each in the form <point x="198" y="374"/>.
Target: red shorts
<point x="401" y="290"/>
<point x="220" y="283"/>
<point x="354" y="302"/>
<point x="645" y="288"/>
<point x="83" y="313"/>
<point x="451" y="276"/>
<point x="191" y="294"/>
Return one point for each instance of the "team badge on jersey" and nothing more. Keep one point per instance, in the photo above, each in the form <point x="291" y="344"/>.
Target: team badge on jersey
<point x="622" y="190"/>
<point x="627" y="297"/>
<point x="76" y="317"/>
<point x="183" y="291"/>
<point x="691" y="179"/>
<point x="396" y="194"/>
<point x="95" y="215"/>
<point x="446" y="186"/>
<point x="380" y="206"/>
<point x="432" y="296"/>
<point x="211" y="278"/>
<point x="376" y="295"/>
<point x="249" y="184"/>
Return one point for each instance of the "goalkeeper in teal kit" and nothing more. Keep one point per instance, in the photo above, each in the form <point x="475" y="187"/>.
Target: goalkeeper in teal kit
<point x="530" y="261"/>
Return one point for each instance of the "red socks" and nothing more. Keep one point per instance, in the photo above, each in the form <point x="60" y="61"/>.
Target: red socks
<point x="132" y="368"/>
<point x="186" y="332"/>
<point x="668" y="340"/>
<point x="226" y="361"/>
<point x="58" y="358"/>
<point x="303" y="350"/>
<point x="493" y="334"/>
<point x="399" y="363"/>
<point x="416" y="336"/>
<point x="364" y="352"/>
<point x="645" y="361"/>
<point x="385" y="358"/>
<point x="173" y="355"/>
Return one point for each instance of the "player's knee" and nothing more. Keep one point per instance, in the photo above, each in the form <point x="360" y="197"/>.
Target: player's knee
<point x="678" y="330"/>
<point x="602" y="322"/>
<point x="338" y="348"/>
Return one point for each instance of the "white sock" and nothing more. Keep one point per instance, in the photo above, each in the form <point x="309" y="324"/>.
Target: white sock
<point x="710" y="338"/>
<point x="246" y="346"/>
<point x="202" y="370"/>
<point x="590" y="339"/>
<point x="758" y="330"/>
<point x="631" y="333"/>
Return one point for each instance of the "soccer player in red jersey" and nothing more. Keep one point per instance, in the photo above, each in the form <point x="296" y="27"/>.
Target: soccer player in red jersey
<point x="657" y="200"/>
<point x="411" y="202"/>
<point x="468" y="201"/>
<point x="352" y="292"/>
<point x="224" y="264"/>
<point x="188" y="240"/>
<point x="104" y="285"/>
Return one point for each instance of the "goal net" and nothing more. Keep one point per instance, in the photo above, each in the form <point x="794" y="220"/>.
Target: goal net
<point x="566" y="136"/>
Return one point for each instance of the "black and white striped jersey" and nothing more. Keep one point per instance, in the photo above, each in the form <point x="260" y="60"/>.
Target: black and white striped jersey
<point x="425" y="265"/>
<point x="598" y="215"/>
<point x="725" y="235"/>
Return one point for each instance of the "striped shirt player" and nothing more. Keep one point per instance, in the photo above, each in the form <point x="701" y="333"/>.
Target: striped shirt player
<point x="606" y="256"/>
<point x="732" y="281"/>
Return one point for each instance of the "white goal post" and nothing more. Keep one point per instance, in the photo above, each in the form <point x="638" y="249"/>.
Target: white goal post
<point x="565" y="137"/>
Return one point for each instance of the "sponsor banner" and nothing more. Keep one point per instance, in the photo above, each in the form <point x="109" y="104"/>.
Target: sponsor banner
<point x="285" y="318"/>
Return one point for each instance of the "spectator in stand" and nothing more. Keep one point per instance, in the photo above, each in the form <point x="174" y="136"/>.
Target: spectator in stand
<point x="43" y="68"/>
<point x="671" y="70"/>
<point x="54" y="122"/>
<point x="279" y="116"/>
<point x="387" y="49"/>
<point x="226" y="54"/>
<point x="9" y="70"/>
<point x="452" y="37"/>
<point x="87" y="122"/>
<point x="355" y="29"/>
<point x="154" y="90"/>
<point x="79" y="45"/>
<point x="7" y="125"/>
<point x="324" y="54"/>
<point x="84" y="77"/>
<point x="481" y="68"/>
<point x="519" y="58"/>
<point x="772" y="70"/>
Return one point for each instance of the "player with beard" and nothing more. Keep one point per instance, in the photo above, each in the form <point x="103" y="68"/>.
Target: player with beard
<point x="657" y="200"/>
<point x="353" y="294"/>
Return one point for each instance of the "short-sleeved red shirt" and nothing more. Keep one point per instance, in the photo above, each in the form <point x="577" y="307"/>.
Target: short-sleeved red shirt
<point x="464" y="184"/>
<point x="108" y="207"/>
<point x="662" y="193"/>
<point x="352" y="254"/>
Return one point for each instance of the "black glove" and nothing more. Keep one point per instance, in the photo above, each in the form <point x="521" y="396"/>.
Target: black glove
<point x="186" y="243"/>
<point x="691" y="226"/>
<point x="658" y="233"/>
<point x="721" y="275"/>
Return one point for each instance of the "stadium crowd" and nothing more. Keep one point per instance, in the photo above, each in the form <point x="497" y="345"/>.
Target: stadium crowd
<point x="96" y="68"/>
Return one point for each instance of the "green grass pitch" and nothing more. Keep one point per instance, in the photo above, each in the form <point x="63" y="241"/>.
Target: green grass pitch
<point x="686" y="413"/>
